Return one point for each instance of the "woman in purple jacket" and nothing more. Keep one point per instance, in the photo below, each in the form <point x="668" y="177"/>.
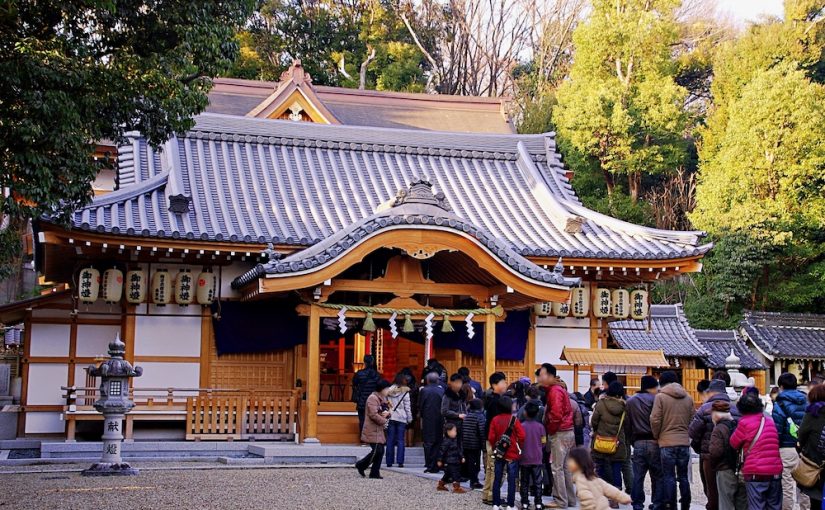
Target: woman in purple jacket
<point x="757" y="438"/>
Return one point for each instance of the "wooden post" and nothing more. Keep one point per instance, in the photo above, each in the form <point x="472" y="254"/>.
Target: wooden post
<point x="313" y="373"/>
<point x="530" y="355"/>
<point x="489" y="346"/>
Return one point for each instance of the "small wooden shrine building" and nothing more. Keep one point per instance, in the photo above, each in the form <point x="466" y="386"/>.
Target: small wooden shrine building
<point x="265" y="251"/>
<point x="787" y="342"/>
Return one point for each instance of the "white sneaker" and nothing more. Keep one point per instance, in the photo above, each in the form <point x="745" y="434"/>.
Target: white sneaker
<point x="496" y="507"/>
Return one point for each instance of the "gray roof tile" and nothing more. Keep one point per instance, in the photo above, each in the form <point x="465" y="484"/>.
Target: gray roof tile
<point x="669" y="332"/>
<point x="260" y="180"/>
<point x="719" y="343"/>
<point x="786" y="335"/>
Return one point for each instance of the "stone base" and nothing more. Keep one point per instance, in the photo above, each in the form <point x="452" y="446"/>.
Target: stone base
<point x="107" y="469"/>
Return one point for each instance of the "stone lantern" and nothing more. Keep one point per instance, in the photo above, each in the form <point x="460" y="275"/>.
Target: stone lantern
<point x="113" y="403"/>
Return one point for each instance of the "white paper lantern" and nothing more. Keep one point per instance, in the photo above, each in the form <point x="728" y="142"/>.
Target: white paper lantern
<point x="207" y="282"/>
<point x="161" y="287"/>
<point x="135" y="286"/>
<point x="542" y="309"/>
<point x="112" y="288"/>
<point x="184" y="288"/>
<point x="621" y="304"/>
<point x="561" y="309"/>
<point x="580" y="302"/>
<point x="638" y="305"/>
<point x="88" y="285"/>
<point x="601" y="303"/>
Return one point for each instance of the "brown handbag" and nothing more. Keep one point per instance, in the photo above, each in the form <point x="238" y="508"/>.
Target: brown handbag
<point x="807" y="472"/>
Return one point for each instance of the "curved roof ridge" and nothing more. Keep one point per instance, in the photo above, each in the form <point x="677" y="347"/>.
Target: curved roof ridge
<point x="128" y="192"/>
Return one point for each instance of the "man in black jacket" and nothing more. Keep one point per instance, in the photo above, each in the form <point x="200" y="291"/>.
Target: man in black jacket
<point x="432" y="423"/>
<point x="363" y="385"/>
<point x="646" y="456"/>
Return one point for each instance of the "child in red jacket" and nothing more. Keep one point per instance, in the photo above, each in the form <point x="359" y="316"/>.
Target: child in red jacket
<point x="509" y="462"/>
<point x="756" y="437"/>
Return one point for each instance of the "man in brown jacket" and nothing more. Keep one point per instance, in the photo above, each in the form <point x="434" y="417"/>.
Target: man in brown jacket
<point x="672" y="411"/>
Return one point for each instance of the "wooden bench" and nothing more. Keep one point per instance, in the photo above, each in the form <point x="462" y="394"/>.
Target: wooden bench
<point x="270" y="416"/>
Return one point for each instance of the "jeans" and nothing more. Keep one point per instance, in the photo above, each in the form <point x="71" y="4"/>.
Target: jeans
<point x="675" y="464"/>
<point x="646" y="459"/>
<point x="731" y="491"/>
<point x="790" y="459"/>
<point x="764" y="495"/>
<point x="395" y="439"/>
<point x="473" y="463"/>
<point x="560" y="445"/>
<point x="530" y="480"/>
<point x="610" y="471"/>
<point x="711" y="490"/>
<point x="373" y="458"/>
<point x="498" y="478"/>
<point x="627" y="474"/>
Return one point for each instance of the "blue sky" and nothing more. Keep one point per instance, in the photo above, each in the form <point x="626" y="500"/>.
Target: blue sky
<point x="749" y="10"/>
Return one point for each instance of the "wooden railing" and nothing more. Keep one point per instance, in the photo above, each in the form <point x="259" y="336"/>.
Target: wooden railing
<point x="209" y="413"/>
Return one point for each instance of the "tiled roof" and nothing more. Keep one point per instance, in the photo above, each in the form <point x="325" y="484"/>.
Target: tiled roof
<point x="786" y="335"/>
<point x="669" y="332"/>
<point x="252" y="180"/>
<point x="719" y="344"/>
<point x="375" y="108"/>
<point x="614" y="357"/>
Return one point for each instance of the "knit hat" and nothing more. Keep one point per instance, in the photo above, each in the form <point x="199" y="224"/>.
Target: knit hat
<point x="649" y="382"/>
<point x="717" y="386"/>
<point x="721" y="406"/>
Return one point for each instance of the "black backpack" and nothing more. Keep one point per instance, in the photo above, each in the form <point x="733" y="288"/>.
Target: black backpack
<point x="504" y="442"/>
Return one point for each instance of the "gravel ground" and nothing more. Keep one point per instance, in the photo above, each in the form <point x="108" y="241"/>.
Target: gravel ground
<point x="209" y="485"/>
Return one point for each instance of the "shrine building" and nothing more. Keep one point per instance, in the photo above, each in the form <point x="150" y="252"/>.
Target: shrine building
<point x="250" y="263"/>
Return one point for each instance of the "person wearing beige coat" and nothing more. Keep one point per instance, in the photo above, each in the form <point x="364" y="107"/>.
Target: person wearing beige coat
<point x="594" y="494"/>
<point x="377" y="415"/>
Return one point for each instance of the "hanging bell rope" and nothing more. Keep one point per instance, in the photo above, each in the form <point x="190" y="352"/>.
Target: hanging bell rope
<point x="498" y="311"/>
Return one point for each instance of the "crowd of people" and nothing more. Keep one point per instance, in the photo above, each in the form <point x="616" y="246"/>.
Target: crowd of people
<point x="561" y="449"/>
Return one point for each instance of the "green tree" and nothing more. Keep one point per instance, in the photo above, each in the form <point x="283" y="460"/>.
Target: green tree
<point x="621" y="110"/>
<point x="72" y="73"/>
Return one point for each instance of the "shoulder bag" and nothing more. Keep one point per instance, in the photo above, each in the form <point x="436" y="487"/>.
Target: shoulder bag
<point x="504" y="442"/>
<point x="807" y="472"/>
<point x="608" y="445"/>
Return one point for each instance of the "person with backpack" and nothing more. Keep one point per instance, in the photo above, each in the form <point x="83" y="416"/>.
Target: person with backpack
<point x="507" y="439"/>
<point x="498" y="387"/>
<point x="701" y="426"/>
<point x="399" y="401"/>
<point x="723" y="460"/>
<point x="645" y="456"/>
<point x="609" y="440"/>
<point x="812" y="442"/>
<point x="788" y="412"/>
<point x="472" y="440"/>
<point x="558" y="420"/>
<point x="758" y="441"/>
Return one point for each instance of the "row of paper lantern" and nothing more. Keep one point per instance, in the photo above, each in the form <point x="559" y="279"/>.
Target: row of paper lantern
<point x="616" y="303"/>
<point x="183" y="289"/>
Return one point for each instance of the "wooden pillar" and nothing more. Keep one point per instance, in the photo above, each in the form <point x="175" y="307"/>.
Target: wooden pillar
<point x="313" y="373"/>
<point x="489" y="346"/>
<point x="530" y="355"/>
<point x="575" y="379"/>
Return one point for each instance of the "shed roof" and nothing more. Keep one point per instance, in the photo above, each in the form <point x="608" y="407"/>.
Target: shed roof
<point x="786" y="335"/>
<point x="614" y="357"/>
<point x="241" y="179"/>
<point x="669" y="331"/>
<point x="720" y="343"/>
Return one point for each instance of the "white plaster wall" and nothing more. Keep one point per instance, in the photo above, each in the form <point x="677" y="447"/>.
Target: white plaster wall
<point x="50" y="339"/>
<point x="93" y="340"/>
<point x="168" y="336"/>
<point x="45" y="423"/>
<point x="168" y="375"/>
<point x="229" y="273"/>
<point x="45" y="380"/>
<point x="552" y="335"/>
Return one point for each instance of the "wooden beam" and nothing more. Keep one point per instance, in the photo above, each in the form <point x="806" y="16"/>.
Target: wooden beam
<point x="305" y="310"/>
<point x="206" y="345"/>
<point x="411" y="288"/>
<point x="127" y="332"/>
<point x="489" y="346"/>
<point x="313" y="374"/>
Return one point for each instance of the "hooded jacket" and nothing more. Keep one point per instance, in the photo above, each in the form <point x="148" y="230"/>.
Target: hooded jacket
<point x="400" y="403"/>
<point x="721" y="455"/>
<point x="763" y="457"/>
<point x="607" y="415"/>
<point x="671" y="415"/>
<point x="453" y="404"/>
<point x="701" y="425"/>
<point x="789" y="404"/>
